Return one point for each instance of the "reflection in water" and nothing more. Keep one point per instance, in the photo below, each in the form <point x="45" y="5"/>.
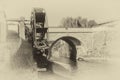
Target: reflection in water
<point x="62" y="57"/>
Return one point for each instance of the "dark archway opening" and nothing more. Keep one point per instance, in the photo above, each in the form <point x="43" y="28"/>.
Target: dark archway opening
<point x="72" y="42"/>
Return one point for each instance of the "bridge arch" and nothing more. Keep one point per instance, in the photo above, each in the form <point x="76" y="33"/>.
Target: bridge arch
<point x="72" y="42"/>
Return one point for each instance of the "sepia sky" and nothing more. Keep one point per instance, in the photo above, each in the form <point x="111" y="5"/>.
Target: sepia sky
<point x="100" y="10"/>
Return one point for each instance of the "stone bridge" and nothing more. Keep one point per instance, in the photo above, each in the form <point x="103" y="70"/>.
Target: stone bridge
<point x="83" y="41"/>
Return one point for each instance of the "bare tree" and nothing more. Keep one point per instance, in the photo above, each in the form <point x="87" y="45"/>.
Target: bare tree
<point x="92" y="23"/>
<point x="84" y="23"/>
<point x="78" y="22"/>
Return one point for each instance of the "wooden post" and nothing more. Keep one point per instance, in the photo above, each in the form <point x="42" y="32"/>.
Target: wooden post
<point x="3" y="27"/>
<point x="22" y="28"/>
